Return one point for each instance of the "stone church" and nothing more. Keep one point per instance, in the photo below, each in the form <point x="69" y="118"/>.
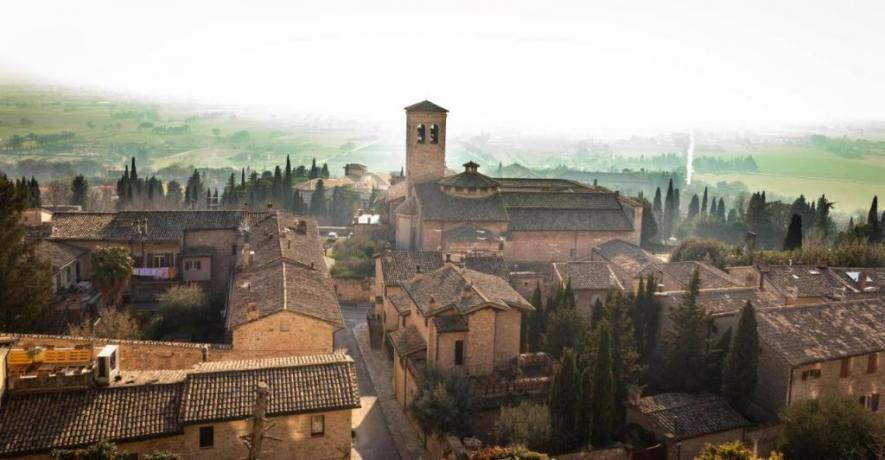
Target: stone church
<point x="523" y="220"/>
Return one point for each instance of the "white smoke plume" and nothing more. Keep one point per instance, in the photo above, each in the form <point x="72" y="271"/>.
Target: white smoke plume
<point x="689" y="157"/>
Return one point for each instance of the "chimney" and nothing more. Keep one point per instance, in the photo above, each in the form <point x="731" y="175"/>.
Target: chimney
<point x="862" y="280"/>
<point x="252" y="312"/>
<point x="270" y="206"/>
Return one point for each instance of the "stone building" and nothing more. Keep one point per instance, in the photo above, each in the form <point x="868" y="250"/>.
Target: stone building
<point x="456" y="320"/>
<point x="268" y="266"/>
<point x="591" y="281"/>
<point x="202" y="412"/>
<point x="686" y="422"/>
<point x="522" y="219"/>
<point x="812" y="350"/>
<point x="803" y="284"/>
<point x="392" y="268"/>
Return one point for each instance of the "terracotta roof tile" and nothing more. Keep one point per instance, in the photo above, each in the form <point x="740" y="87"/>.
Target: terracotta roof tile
<point x="461" y="289"/>
<point x="399" y="266"/>
<point x="120" y="226"/>
<point x="804" y="281"/>
<point x="425" y="106"/>
<point x="438" y="205"/>
<point x="594" y="275"/>
<point x="491" y="265"/>
<point x="726" y="301"/>
<point x="683" y="415"/>
<point x="58" y="254"/>
<point x="810" y="333"/>
<point x="408" y="340"/>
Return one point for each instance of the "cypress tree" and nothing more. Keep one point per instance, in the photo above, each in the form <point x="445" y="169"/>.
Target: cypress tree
<point x="318" y="200"/>
<point x="704" y="202"/>
<point x="585" y="409"/>
<point x="715" y="359"/>
<point x="793" y="240"/>
<point x="720" y="210"/>
<point x="314" y="172"/>
<point x="79" y="191"/>
<point x="243" y="178"/>
<point x="653" y="312"/>
<point x="568" y="296"/>
<point x="564" y="402"/>
<point x="873" y="222"/>
<point x="656" y="204"/>
<point x="694" y="207"/>
<point x="597" y="314"/>
<point x="669" y="211"/>
<point x="623" y="350"/>
<point x="603" y="397"/>
<point x="739" y="372"/>
<point x="535" y="324"/>
<point x="324" y="172"/>
<point x="713" y="207"/>
<point x="687" y="340"/>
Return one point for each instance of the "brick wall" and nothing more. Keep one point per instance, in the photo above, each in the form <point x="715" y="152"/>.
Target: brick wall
<point x="479" y="349"/>
<point x="222" y="241"/>
<point x="858" y="383"/>
<point x="537" y="246"/>
<point x="507" y="335"/>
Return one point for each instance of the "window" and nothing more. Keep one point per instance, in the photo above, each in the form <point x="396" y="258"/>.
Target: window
<point x="420" y="131"/>
<point x="874" y="402"/>
<point x="459" y="352"/>
<point x="207" y="436"/>
<point x="193" y="265"/>
<point x="160" y="260"/>
<point x="434" y="134"/>
<point x="67" y="274"/>
<point x="317" y="425"/>
<point x="233" y="250"/>
<point x="872" y="363"/>
<point x="845" y="371"/>
<point x="811" y="373"/>
<point x="379" y="300"/>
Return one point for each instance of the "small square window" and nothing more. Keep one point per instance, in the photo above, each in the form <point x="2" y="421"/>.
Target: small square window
<point x="317" y="425"/>
<point x="207" y="437"/>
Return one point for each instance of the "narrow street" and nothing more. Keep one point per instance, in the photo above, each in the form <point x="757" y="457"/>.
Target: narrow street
<point x="373" y="439"/>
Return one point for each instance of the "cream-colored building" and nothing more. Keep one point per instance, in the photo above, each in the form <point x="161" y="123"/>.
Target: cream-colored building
<point x="808" y="351"/>
<point x="199" y="413"/>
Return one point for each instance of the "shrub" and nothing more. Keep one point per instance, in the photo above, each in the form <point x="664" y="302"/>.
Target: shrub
<point x="710" y="251"/>
<point x="527" y="424"/>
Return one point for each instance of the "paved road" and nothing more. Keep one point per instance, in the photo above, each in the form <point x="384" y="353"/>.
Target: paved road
<point x="373" y="440"/>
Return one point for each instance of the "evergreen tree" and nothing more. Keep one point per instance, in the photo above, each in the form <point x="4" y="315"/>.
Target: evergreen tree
<point x="694" y="207"/>
<point x="536" y="324"/>
<point x="314" y="172"/>
<point x="325" y="171"/>
<point x="652" y="313"/>
<point x="298" y="202"/>
<point x="873" y="222"/>
<point x="704" y="202"/>
<point x="597" y="314"/>
<point x="623" y="351"/>
<point x="230" y="192"/>
<point x="715" y="359"/>
<point x="568" y="296"/>
<point x="713" y="207"/>
<point x="669" y="211"/>
<point x="603" y="398"/>
<point x="584" y="416"/>
<point x="174" y="194"/>
<point x="793" y="240"/>
<point x="79" y="191"/>
<point x="823" y="220"/>
<point x="133" y="175"/>
<point x="25" y="280"/>
<point x="720" y="210"/>
<point x="687" y="340"/>
<point x="243" y="178"/>
<point x="564" y="402"/>
<point x="565" y="329"/>
<point x="739" y="372"/>
<point x="656" y="206"/>
<point x="318" y="200"/>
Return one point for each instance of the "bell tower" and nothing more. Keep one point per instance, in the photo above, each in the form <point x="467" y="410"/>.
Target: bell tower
<point x="425" y="143"/>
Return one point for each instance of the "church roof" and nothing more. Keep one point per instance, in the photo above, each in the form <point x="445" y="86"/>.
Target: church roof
<point x="425" y="106"/>
<point x="438" y="205"/>
<point x="469" y="179"/>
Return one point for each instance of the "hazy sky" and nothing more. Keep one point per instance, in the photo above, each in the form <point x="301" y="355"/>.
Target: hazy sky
<point x="585" y="67"/>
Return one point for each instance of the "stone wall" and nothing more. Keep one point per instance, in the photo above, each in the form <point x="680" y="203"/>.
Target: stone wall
<point x="293" y="432"/>
<point x="479" y="351"/>
<point x="425" y="161"/>
<point x="284" y="332"/>
<point x="224" y="256"/>
<point x="549" y="246"/>
<point x="507" y="334"/>
<point x="858" y="383"/>
<point x="354" y="290"/>
<point x="773" y="377"/>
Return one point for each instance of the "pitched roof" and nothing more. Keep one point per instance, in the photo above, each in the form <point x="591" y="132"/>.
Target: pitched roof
<point x="462" y="289"/>
<point x="438" y="205"/>
<point x="681" y="272"/>
<point x="425" y="106"/>
<point x="401" y="302"/>
<point x="471" y="232"/>
<point x="862" y="279"/>
<point x="57" y="253"/>
<point x="812" y="333"/>
<point x="297" y="385"/>
<point x="120" y="226"/>
<point x="538" y="219"/>
<point x="627" y="256"/>
<point x="542" y="184"/>
<point x="684" y="415"/>
<point x="399" y="266"/>
<point x="138" y="408"/>
<point x="407" y="340"/>
<point x="492" y="265"/>
<point x="450" y="323"/>
<point x="33" y="422"/>
<point x="595" y="275"/>
<point x="287" y="272"/>
<point x="726" y="301"/>
<point x="804" y="281"/>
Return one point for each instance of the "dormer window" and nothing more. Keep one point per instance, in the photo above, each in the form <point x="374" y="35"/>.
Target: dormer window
<point x="420" y="132"/>
<point x="434" y="133"/>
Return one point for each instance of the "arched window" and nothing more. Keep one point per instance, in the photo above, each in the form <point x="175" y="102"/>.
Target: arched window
<point x="434" y="133"/>
<point x="420" y="133"/>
